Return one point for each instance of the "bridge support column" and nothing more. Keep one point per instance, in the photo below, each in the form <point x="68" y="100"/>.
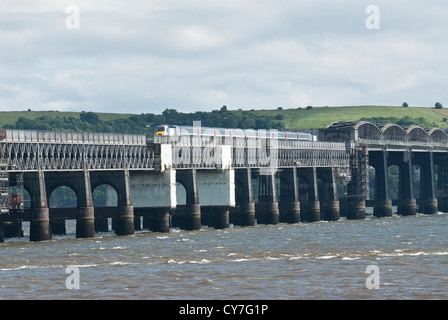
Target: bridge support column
<point x="329" y="204"/>
<point x="407" y="205"/>
<point x="124" y="221"/>
<point x="266" y="210"/>
<point x="216" y="216"/>
<point x="311" y="208"/>
<point x="2" y="232"/>
<point x="188" y="216"/>
<point x="383" y="202"/>
<point x="155" y="219"/>
<point x="442" y="181"/>
<point x="357" y="187"/>
<point x="243" y="214"/>
<point x="40" y="214"/>
<point x="289" y="206"/>
<point x="85" y="218"/>
<point x="428" y="203"/>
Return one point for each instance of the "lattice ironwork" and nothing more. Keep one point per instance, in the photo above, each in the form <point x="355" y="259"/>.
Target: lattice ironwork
<point x="23" y="151"/>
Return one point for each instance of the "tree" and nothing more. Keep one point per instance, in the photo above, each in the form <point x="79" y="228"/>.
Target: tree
<point x="89" y="117"/>
<point x="405" y="105"/>
<point x="438" y="105"/>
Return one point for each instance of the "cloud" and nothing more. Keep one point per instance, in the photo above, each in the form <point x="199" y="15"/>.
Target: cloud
<point x="145" y="56"/>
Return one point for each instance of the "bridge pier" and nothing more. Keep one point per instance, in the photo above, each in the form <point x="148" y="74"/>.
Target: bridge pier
<point x="428" y="200"/>
<point x="441" y="159"/>
<point x="216" y="216"/>
<point x="310" y="209"/>
<point x="188" y="216"/>
<point x="407" y="205"/>
<point x="124" y="221"/>
<point x="155" y="219"/>
<point x="85" y="219"/>
<point x="329" y="203"/>
<point x="40" y="214"/>
<point x="383" y="203"/>
<point x="289" y="205"/>
<point x="354" y="201"/>
<point x="243" y="214"/>
<point x="266" y="210"/>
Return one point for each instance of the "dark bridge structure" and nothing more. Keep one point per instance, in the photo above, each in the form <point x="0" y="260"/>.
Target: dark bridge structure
<point x="161" y="182"/>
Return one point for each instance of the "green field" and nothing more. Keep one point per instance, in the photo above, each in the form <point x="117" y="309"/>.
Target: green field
<point x="300" y="118"/>
<point x="319" y="117"/>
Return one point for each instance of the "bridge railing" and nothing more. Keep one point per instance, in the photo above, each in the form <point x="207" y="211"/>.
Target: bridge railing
<point x="23" y="156"/>
<point x="36" y="136"/>
<point x="401" y="143"/>
<point x="204" y="152"/>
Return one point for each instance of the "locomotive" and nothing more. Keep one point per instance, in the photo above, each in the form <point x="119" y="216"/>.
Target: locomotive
<point x="178" y="131"/>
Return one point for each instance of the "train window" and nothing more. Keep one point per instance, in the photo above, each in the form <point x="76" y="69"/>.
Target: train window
<point x="160" y="130"/>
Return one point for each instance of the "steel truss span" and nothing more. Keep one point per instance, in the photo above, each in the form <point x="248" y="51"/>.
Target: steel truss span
<point x="47" y="156"/>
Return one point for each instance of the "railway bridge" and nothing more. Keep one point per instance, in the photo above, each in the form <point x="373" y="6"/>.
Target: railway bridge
<point x="159" y="182"/>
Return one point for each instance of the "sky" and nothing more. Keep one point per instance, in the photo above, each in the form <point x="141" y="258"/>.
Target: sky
<point x="143" y="56"/>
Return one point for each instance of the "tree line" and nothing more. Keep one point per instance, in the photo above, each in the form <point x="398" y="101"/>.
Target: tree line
<point x="146" y="122"/>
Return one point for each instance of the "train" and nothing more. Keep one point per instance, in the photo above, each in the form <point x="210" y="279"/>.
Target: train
<point x="178" y="131"/>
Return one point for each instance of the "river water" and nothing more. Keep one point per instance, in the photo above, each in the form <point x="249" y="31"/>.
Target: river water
<point x="321" y="260"/>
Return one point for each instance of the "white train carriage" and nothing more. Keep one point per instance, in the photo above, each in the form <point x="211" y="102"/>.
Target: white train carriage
<point x="173" y="131"/>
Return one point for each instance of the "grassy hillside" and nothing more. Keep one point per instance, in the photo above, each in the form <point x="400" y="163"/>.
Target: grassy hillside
<point x="319" y="117"/>
<point x="301" y="118"/>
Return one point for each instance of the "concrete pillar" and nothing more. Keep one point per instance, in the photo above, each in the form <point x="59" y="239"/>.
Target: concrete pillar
<point x="156" y="219"/>
<point x="356" y="208"/>
<point x="407" y="204"/>
<point x="243" y="214"/>
<point x="357" y="188"/>
<point x="85" y="218"/>
<point x="442" y="181"/>
<point x="266" y="210"/>
<point x="310" y="210"/>
<point x="85" y="222"/>
<point x="289" y="205"/>
<point x="40" y="224"/>
<point x="124" y="221"/>
<point x="216" y="216"/>
<point x="189" y="215"/>
<point x="383" y="203"/>
<point x="40" y="214"/>
<point x="428" y="200"/>
<point x="329" y="203"/>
